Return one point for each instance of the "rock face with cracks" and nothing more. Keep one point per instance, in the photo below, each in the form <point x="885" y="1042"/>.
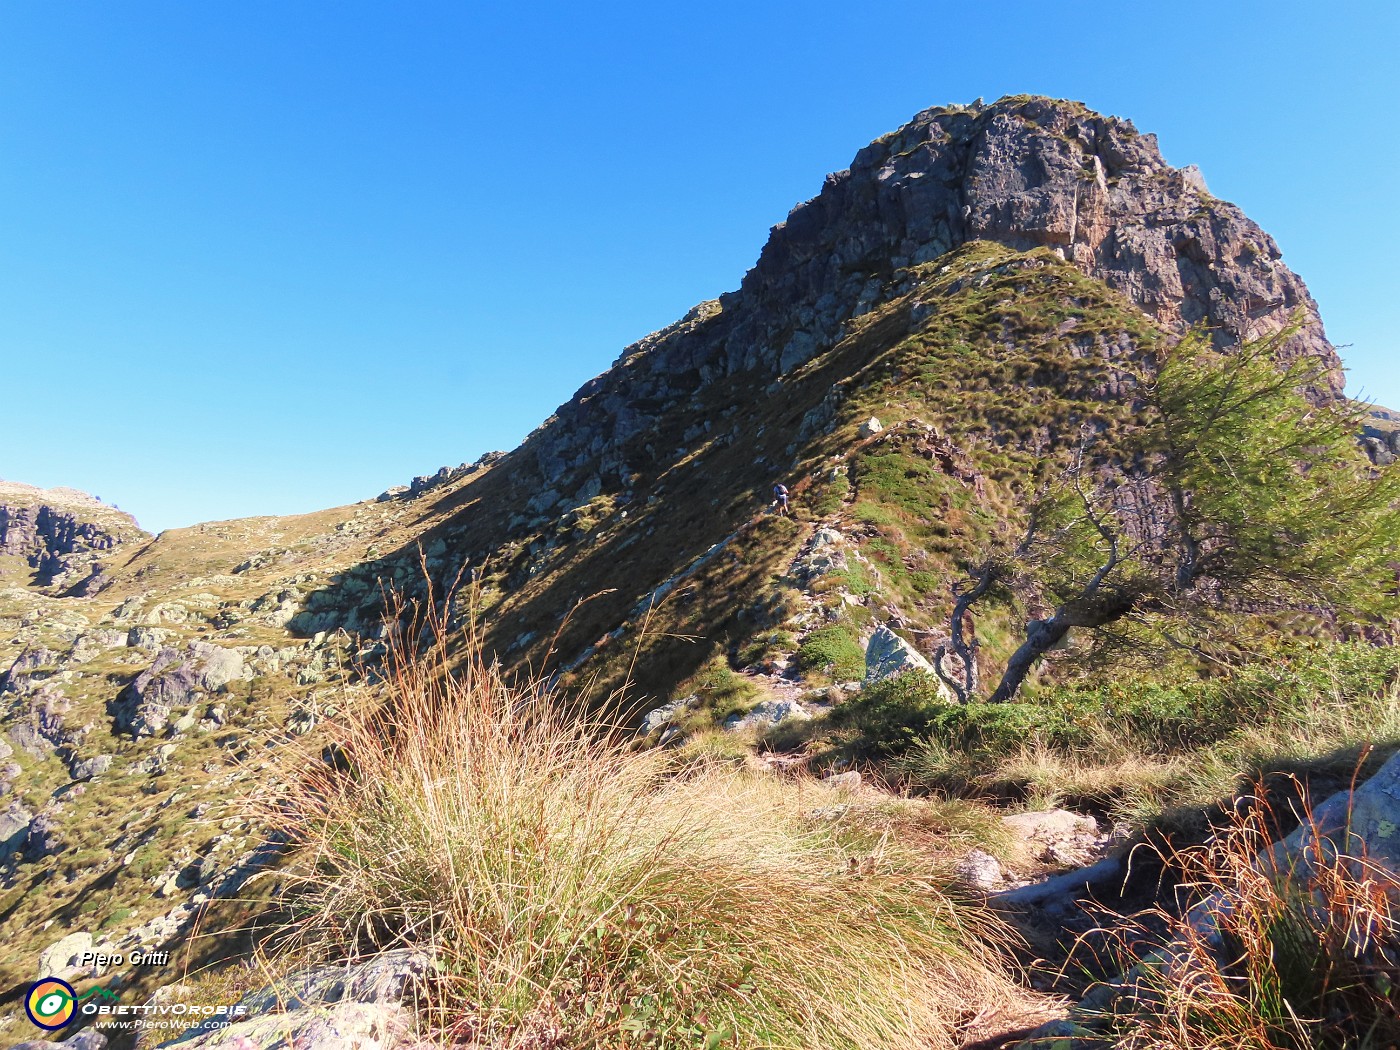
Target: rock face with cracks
<point x="1023" y="172"/>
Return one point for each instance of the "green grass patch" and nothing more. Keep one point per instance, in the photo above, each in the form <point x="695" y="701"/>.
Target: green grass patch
<point x="834" y="651"/>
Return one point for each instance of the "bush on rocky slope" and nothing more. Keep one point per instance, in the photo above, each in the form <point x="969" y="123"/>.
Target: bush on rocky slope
<point x="581" y="894"/>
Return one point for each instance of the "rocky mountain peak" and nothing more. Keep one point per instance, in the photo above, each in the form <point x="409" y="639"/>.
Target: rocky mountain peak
<point x="1030" y="172"/>
<point x="1024" y="173"/>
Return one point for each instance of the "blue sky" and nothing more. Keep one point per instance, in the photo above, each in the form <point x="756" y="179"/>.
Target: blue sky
<point x="268" y="257"/>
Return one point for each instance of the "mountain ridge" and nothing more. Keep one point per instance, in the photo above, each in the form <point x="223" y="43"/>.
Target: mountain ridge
<point x="977" y="290"/>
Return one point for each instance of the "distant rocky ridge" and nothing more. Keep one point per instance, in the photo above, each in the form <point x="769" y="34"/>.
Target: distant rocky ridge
<point x="60" y="533"/>
<point x="1381" y="434"/>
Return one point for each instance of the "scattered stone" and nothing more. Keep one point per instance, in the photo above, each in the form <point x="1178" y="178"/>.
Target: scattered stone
<point x="14" y="828"/>
<point x="1055" y="836"/>
<point x="767" y="713"/>
<point x="341" y="1026"/>
<point x="820" y="555"/>
<point x="871" y="427"/>
<point x="848" y="781"/>
<point x="390" y="977"/>
<point x="87" y="768"/>
<point x="174" y="680"/>
<point x="146" y="637"/>
<point x="664" y="715"/>
<point x="980" y="870"/>
<point x="61" y="958"/>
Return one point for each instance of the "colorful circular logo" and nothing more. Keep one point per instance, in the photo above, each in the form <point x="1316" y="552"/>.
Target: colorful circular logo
<point x="50" y="1003"/>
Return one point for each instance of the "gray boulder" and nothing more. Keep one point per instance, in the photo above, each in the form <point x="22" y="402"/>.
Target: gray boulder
<point x="341" y="1026"/>
<point x="887" y="655"/>
<point x="767" y="713"/>
<point x="61" y="958"/>
<point x="980" y="870"/>
<point x="146" y="637"/>
<point x="851" y="780"/>
<point x="822" y="554"/>
<point x="43" y="839"/>
<point x="14" y="828"/>
<point x="31" y="740"/>
<point x="215" y="666"/>
<point x="174" y="680"/>
<point x="659" y="717"/>
<point x="388" y="978"/>
<point x="1364" y="823"/>
<point x="87" y="768"/>
<point x="18" y="678"/>
<point x="1055" y="836"/>
<point x="341" y="1006"/>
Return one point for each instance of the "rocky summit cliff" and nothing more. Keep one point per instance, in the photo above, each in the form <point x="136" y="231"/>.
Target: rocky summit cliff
<point x="60" y="534"/>
<point x="980" y="285"/>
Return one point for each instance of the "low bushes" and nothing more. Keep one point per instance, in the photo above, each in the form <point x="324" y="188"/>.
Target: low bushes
<point x="1139" y="747"/>
<point x="834" y="651"/>
<point x="898" y="713"/>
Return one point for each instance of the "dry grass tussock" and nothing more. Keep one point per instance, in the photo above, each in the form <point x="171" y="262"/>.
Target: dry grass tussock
<point x="1276" y="957"/>
<point x="581" y="894"/>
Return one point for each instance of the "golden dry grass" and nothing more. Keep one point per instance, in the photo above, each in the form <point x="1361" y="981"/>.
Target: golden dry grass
<point x="1279" y="953"/>
<point x="579" y="893"/>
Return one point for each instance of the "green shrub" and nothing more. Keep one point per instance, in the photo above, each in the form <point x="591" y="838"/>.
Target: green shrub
<point x="1176" y="718"/>
<point x="1001" y="729"/>
<point x="766" y="646"/>
<point x="722" y="690"/>
<point x="830" y="497"/>
<point x="892" y="714"/>
<point x="117" y="917"/>
<point x="833" y="650"/>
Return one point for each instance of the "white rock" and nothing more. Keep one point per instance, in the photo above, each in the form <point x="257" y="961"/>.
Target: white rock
<point x="887" y="655"/>
<point x="768" y="713"/>
<point x="665" y="714"/>
<point x="980" y="870"/>
<point x="61" y="957"/>
<point x="847" y="781"/>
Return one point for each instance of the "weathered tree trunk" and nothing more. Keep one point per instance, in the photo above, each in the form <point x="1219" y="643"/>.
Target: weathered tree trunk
<point x="964" y="647"/>
<point x="1041" y="637"/>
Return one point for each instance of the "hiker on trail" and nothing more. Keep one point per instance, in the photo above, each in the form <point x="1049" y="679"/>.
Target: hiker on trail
<point x="780" y="499"/>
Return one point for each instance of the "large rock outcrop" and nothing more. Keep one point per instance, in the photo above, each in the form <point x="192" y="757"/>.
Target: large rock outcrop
<point x="60" y="532"/>
<point x="1024" y="172"/>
